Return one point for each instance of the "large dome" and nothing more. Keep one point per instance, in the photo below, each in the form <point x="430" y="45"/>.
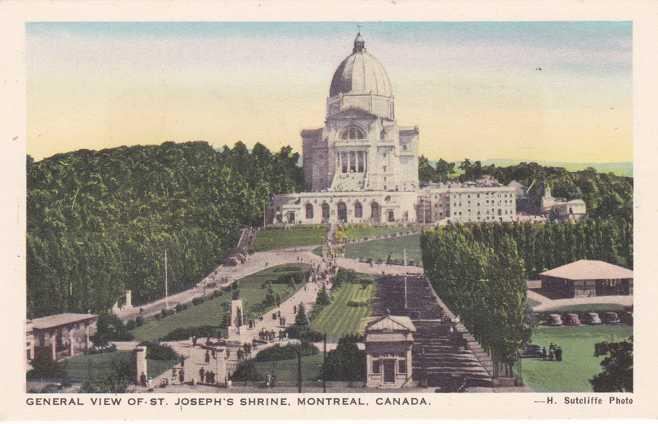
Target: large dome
<point x="360" y="73"/>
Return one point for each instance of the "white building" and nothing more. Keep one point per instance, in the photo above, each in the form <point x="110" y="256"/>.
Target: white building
<point x="361" y="167"/>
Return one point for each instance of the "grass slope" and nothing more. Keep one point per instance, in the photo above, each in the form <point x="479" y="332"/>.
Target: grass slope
<point x="339" y="319"/>
<point x="98" y="366"/>
<point x="286" y="370"/>
<point x="359" y="231"/>
<point x="280" y="238"/>
<point x="578" y="364"/>
<point x="211" y="312"/>
<point x="380" y="249"/>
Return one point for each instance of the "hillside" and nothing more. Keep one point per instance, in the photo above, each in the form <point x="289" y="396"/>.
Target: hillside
<point x="98" y="222"/>
<point x="623" y="169"/>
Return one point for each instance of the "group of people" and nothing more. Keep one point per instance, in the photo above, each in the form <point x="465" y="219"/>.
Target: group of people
<point x="554" y="353"/>
<point x="206" y="377"/>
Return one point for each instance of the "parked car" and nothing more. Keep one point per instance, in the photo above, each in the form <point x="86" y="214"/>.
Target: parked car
<point x="611" y="318"/>
<point x="554" y="320"/>
<point x="532" y="351"/>
<point x="592" y="318"/>
<point x="571" y="319"/>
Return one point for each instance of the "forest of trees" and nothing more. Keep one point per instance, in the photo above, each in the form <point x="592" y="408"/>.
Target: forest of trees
<point x="98" y="222"/>
<point x="606" y="195"/>
<point x="546" y="246"/>
<point x="485" y="285"/>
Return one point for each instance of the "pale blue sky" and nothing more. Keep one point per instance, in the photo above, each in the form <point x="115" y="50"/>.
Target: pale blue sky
<point x="472" y="88"/>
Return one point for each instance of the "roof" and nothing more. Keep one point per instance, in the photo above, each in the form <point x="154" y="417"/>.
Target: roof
<point x="360" y="73"/>
<point x="585" y="269"/>
<point x="391" y="323"/>
<point x="58" y="320"/>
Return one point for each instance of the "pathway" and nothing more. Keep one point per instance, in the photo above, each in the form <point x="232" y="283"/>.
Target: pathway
<point x="224" y="276"/>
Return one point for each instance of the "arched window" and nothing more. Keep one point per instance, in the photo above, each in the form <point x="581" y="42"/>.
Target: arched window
<point x="325" y="211"/>
<point x="353" y="133"/>
<point x="342" y="212"/>
<point x="309" y="211"/>
<point x="358" y="210"/>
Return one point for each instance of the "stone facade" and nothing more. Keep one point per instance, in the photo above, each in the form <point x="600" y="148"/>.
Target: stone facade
<point x="362" y="167"/>
<point x="62" y="335"/>
<point x="389" y="342"/>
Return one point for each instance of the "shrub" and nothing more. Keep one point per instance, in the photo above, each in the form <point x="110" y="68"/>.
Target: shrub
<point x="281" y="353"/>
<point x="180" y="307"/>
<point x="130" y="324"/>
<point x="246" y="371"/>
<point x="43" y="366"/>
<point x="110" y="328"/>
<point x="139" y="321"/>
<point x="155" y="350"/>
<point x="198" y="300"/>
<point x="188" y="332"/>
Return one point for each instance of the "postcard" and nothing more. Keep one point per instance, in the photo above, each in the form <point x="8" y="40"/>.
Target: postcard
<point x="272" y="211"/>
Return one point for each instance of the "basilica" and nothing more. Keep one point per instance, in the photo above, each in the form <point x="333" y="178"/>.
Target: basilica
<point x="362" y="167"/>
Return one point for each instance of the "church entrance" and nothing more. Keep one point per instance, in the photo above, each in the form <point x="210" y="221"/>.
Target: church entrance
<point x="376" y="213"/>
<point x="342" y="212"/>
<point x="291" y="217"/>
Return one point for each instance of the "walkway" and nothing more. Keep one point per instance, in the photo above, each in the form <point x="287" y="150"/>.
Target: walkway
<point x="224" y="276"/>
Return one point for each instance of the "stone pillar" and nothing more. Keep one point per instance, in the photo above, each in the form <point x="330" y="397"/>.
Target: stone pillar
<point x="71" y="344"/>
<point x="129" y="299"/>
<point x="53" y="345"/>
<point x="141" y="364"/>
<point x="409" y="364"/>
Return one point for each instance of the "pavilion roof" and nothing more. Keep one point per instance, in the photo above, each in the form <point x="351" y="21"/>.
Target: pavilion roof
<point x="585" y="269"/>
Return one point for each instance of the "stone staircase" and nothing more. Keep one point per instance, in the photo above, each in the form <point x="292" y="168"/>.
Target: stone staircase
<point x="441" y="358"/>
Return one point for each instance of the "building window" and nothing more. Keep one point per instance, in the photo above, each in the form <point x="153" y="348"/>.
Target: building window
<point x="391" y="216"/>
<point x="353" y="133"/>
<point x="309" y="211"/>
<point x="376" y="366"/>
<point x="325" y="211"/>
<point x="402" y="366"/>
<point x="358" y="210"/>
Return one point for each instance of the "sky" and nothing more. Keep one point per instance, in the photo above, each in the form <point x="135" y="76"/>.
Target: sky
<point x="554" y="91"/>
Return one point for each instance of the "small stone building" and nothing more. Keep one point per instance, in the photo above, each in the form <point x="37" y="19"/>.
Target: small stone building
<point x="389" y="341"/>
<point x="63" y="335"/>
<point x="585" y="278"/>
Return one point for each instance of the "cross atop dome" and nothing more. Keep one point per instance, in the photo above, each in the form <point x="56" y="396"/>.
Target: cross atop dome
<point x="359" y="43"/>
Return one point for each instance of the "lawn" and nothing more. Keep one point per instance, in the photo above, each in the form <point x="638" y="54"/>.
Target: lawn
<point x="379" y="250"/>
<point x="98" y="366"/>
<point x="339" y="319"/>
<point x="360" y="231"/>
<point x="286" y="370"/>
<point x="211" y="312"/>
<point x="281" y="238"/>
<point x="578" y="364"/>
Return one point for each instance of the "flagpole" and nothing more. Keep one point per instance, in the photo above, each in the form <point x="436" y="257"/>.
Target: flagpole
<point x="166" y="283"/>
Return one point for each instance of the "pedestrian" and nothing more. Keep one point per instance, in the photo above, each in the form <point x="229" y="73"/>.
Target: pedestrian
<point x="202" y="374"/>
<point x="543" y="353"/>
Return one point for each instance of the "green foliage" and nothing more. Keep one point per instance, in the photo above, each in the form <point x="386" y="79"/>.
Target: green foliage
<point x="98" y="222"/>
<point x="43" y="366"/>
<point x="347" y="362"/>
<point x="157" y="351"/>
<point x="110" y="328"/>
<point x="280" y="353"/>
<point x="301" y="320"/>
<point x="122" y="373"/>
<point x="322" y="298"/>
<point x="484" y="284"/>
<point x="246" y="371"/>
<point x="617" y="374"/>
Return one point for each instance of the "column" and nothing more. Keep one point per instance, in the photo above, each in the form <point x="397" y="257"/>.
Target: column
<point x="53" y="345"/>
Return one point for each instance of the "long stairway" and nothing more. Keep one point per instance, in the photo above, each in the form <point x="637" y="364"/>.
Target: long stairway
<point x="441" y="358"/>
